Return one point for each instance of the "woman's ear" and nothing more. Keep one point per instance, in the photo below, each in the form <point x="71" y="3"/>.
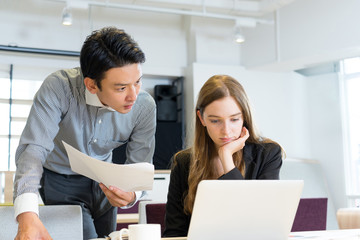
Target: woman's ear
<point x="200" y="117"/>
<point x="90" y="85"/>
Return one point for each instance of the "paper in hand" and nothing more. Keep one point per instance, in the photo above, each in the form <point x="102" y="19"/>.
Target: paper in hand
<point x="127" y="177"/>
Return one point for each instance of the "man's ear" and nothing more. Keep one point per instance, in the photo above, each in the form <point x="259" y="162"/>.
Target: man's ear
<point x="90" y="84"/>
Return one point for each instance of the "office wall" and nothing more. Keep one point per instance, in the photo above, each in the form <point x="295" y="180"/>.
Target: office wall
<point x="306" y="33"/>
<point x="326" y="133"/>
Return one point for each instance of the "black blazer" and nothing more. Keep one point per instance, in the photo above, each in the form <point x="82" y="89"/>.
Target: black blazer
<point x="262" y="161"/>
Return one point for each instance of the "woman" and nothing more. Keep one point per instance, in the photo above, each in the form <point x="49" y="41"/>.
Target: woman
<point x="226" y="146"/>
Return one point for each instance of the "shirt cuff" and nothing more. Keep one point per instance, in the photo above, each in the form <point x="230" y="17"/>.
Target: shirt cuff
<point x="26" y="202"/>
<point x="138" y="195"/>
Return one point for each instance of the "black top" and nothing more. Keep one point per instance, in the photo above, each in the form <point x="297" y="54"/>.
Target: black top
<point x="262" y="161"/>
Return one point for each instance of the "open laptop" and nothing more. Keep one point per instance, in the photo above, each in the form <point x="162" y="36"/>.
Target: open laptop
<point x="244" y="209"/>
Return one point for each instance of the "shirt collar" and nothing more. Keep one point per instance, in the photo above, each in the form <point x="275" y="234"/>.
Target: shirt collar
<point x="93" y="100"/>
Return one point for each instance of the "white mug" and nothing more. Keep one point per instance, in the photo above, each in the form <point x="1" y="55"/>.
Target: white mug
<point x="141" y="232"/>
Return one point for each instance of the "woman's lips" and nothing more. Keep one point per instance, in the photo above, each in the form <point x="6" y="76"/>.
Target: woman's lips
<point x="225" y="140"/>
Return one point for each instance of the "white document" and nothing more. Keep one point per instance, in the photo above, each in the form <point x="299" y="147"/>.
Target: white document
<point x="127" y="177"/>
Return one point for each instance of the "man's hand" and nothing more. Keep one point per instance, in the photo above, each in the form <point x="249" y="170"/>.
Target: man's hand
<point x="30" y="227"/>
<point x="118" y="197"/>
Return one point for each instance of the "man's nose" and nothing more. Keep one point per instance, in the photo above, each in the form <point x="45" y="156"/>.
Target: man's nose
<point x="132" y="94"/>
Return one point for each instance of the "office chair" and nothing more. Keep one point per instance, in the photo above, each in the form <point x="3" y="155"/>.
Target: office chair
<point x="348" y="218"/>
<point x="61" y="221"/>
<point x="155" y="213"/>
<point x="311" y="215"/>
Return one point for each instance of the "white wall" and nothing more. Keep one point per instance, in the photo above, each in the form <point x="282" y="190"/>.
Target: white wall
<point x="306" y="32"/>
<point x="326" y="132"/>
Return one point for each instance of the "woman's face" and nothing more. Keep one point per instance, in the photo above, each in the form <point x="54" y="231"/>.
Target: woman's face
<point x="223" y="120"/>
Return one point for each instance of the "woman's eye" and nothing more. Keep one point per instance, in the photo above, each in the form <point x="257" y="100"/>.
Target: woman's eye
<point x="214" y="121"/>
<point x="235" y="119"/>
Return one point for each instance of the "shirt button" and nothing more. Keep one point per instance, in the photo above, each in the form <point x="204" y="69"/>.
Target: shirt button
<point x="95" y="140"/>
<point x="100" y="121"/>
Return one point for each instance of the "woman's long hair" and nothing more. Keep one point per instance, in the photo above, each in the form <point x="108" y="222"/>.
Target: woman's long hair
<point x="203" y="150"/>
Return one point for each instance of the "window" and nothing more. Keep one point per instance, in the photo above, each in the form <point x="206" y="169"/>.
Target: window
<point x="21" y="75"/>
<point x="350" y="83"/>
<point x="21" y="92"/>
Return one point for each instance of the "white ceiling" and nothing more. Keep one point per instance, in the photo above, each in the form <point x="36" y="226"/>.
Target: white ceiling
<point x="253" y="8"/>
<point x="246" y="12"/>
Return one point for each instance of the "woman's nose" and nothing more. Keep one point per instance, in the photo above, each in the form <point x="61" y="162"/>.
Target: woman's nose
<point x="226" y="128"/>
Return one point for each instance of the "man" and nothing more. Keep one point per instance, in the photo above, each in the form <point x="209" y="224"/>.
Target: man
<point x="95" y="109"/>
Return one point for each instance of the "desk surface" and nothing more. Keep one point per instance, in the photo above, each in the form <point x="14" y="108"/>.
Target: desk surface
<point x="347" y="234"/>
<point x="127" y="218"/>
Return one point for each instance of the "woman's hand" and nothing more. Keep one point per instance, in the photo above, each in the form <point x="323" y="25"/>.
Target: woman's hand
<point x="227" y="150"/>
<point x="118" y="197"/>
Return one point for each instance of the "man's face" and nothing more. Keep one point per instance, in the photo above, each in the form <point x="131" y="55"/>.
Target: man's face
<point x="120" y="87"/>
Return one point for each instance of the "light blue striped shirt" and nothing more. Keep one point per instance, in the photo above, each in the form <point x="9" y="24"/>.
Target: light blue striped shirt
<point x="63" y="110"/>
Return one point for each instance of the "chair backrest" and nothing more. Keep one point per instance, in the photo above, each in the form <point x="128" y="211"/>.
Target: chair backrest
<point x="155" y="213"/>
<point x="348" y="218"/>
<point x="61" y="221"/>
<point x="7" y="186"/>
<point x="311" y="215"/>
<point x="142" y="209"/>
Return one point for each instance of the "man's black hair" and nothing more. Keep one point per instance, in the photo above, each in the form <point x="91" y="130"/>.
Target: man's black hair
<point x="105" y="49"/>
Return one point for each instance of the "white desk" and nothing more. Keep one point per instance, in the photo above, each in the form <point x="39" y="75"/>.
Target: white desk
<point x="347" y="234"/>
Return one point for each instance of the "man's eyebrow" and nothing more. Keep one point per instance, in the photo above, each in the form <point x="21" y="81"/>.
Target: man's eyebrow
<point x="233" y="115"/>
<point x="124" y="84"/>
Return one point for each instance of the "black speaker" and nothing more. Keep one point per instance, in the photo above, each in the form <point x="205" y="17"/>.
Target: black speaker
<point x="168" y="141"/>
<point x="166" y="102"/>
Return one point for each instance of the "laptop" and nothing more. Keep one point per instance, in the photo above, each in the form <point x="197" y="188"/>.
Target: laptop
<point x="244" y="209"/>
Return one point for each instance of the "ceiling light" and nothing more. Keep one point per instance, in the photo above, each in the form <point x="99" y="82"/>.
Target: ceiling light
<point x="239" y="36"/>
<point x="66" y="16"/>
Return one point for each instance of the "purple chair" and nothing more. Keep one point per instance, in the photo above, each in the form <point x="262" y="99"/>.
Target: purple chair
<point x="155" y="213"/>
<point x="311" y="215"/>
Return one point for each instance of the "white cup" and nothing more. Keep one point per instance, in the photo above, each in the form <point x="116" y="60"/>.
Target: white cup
<point x="141" y="232"/>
